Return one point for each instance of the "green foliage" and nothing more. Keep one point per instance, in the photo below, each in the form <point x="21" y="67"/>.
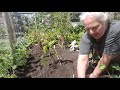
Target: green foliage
<point x="115" y="66"/>
<point x="9" y="62"/>
<point x="38" y="21"/>
<point x="102" y="66"/>
<point x="115" y="76"/>
<point x="2" y="32"/>
<point x="5" y="64"/>
<point x="50" y="29"/>
<point x="62" y="25"/>
<point x="74" y="16"/>
<point x="58" y="31"/>
<point x="20" y="52"/>
<point x="48" y="46"/>
<point x="76" y="37"/>
<point x="79" y="28"/>
<point x="114" y="69"/>
<point x="51" y="35"/>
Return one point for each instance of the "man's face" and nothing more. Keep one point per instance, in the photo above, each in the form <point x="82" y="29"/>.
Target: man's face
<point x="94" y="28"/>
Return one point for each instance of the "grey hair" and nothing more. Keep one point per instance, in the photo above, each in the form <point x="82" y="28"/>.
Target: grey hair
<point x="100" y="16"/>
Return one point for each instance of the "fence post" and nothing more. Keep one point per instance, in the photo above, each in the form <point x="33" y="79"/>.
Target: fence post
<point x="10" y="28"/>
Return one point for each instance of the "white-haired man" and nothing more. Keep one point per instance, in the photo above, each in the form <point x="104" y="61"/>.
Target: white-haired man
<point x="103" y="36"/>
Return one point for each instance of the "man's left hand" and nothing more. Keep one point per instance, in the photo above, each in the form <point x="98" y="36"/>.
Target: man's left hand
<point x="92" y="76"/>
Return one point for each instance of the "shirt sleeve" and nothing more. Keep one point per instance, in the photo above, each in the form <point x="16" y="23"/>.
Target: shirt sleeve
<point x="84" y="45"/>
<point x="112" y="43"/>
<point x="113" y="49"/>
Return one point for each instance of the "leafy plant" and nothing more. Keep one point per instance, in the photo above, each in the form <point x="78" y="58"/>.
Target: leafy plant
<point x="10" y="61"/>
<point x="102" y="66"/>
<point x="2" y="32"/>
<point x="77" y="29"/>
<point x="115" y="66"/>
<point x="115" y="76"/>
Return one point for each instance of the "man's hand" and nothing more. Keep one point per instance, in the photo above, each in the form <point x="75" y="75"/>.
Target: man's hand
<point x="93" y="76"/>
<point x="104" y="60"/>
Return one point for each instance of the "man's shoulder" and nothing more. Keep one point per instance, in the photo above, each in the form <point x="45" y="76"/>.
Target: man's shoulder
<point x="115" y="21"/>
<point x="114" y="28"/>
<point x="114" y="33"/>
<point x="86" y="37"/>
<point x="115" y="24"/>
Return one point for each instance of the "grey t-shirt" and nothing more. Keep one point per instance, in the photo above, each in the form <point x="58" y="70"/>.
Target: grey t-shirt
<point x="110" y="43"/>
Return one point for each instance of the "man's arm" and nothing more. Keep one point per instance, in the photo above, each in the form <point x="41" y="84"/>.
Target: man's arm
<point x="82" y="65"/>
<point x="105" y="60"/>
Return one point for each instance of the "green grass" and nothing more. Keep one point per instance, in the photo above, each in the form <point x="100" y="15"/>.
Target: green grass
<point x="4" y="44"/>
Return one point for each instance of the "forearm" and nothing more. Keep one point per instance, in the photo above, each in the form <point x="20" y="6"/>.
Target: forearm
<point x="82" y="67"/>
<point x="103" y="61"/>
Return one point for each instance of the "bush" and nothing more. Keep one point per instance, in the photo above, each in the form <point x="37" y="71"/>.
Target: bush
<point x="79" y="28"/>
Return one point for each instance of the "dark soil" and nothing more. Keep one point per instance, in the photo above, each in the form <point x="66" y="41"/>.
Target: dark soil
<point x="64" y="67"/>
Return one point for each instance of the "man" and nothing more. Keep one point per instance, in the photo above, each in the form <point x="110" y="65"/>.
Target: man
<point x="102" y="36"/>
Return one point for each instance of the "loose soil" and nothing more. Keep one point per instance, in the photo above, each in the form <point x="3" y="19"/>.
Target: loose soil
<point x="64" y="67"/>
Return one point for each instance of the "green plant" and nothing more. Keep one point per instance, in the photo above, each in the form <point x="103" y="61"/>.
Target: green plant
<point x="115" y="66"/>
<point x="2" y="32"/>
<point x="102" y="66"/>
<point x="74" y="16"/>
<point x="55" y="33"/>
<point x="79" y="28"/>
<point x="10" y="61"/>
<point x="61" y="24"/>
<point x="20" y="52"/>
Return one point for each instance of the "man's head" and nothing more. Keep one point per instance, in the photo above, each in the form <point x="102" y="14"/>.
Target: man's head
<point x="95" y="23"/>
